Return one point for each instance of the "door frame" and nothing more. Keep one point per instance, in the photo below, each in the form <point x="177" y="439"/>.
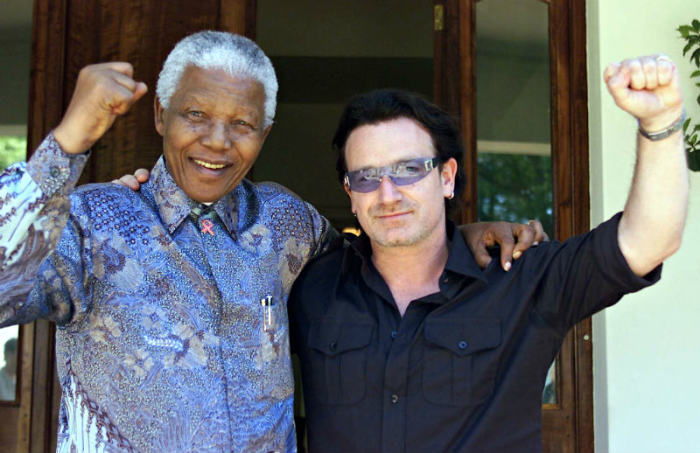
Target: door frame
<point x="568" y="425"/>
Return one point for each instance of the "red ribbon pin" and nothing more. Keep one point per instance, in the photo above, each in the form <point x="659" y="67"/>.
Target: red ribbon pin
<point x="207" y="226"/>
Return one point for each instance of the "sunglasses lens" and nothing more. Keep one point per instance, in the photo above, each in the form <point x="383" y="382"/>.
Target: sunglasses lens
<point x="406" y="180"/>
<point x="401" y="174"/>
<point x="361" y="183"/>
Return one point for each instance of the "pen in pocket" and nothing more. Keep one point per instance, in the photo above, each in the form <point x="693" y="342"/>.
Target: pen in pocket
<point x="268" y="316"/>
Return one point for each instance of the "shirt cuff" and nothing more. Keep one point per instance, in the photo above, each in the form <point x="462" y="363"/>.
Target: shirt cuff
<point x="54" y="170"/>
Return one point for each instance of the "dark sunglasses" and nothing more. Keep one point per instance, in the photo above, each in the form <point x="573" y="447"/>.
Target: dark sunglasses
<point x="400" y="173"/>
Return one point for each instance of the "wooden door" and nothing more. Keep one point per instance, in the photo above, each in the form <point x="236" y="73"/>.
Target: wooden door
<point x="568" y="424"/>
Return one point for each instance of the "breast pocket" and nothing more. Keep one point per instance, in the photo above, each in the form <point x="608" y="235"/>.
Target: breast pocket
<point x="338" y="357"/>
<point x="460" y="360"/>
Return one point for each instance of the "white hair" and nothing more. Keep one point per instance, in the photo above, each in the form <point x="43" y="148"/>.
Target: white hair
<point x="235" y="54"/>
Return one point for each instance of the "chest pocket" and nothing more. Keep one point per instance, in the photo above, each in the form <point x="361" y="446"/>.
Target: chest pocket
<point x="460" y="360"/>
<point x="338" y="357"/>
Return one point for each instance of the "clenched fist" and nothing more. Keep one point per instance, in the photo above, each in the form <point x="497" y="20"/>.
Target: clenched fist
<point x="648" y="88"/>
<point x="103" y="92"/>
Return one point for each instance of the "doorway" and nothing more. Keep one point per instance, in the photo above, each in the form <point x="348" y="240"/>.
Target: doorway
<point x="324" y="53"/>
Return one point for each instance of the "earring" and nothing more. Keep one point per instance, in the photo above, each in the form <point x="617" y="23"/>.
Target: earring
<point x="451" y="196"/>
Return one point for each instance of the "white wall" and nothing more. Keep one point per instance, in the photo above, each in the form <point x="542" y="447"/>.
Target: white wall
<point x="646" y="348"/>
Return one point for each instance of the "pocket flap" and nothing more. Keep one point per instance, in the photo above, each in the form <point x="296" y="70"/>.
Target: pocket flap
<point x="464" y="336"/>
<point x="336" y="337"/>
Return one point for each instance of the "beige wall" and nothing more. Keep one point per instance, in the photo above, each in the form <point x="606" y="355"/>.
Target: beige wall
<point x="647" y="348"/>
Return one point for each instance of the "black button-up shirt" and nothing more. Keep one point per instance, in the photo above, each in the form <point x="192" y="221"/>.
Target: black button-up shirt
<point x="463" y="369"/>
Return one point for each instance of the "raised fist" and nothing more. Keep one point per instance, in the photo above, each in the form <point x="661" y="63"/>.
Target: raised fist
<point x="648" y="88"/>
<point x="103" y="92"/>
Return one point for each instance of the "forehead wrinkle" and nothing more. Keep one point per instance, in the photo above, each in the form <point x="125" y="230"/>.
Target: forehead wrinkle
<point x="201" y="98"/>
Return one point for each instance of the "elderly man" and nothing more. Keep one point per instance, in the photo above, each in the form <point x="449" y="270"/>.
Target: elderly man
<point x="170" y="303"/>
<point x="405" y="344"/>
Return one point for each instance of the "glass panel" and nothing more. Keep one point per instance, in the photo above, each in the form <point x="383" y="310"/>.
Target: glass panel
<point x="15" y="50"/>
<point x="513" y="118"/>
<point x="13" y="148"/>
<point x="8" y="360"/>
<point x="549" y="394"/>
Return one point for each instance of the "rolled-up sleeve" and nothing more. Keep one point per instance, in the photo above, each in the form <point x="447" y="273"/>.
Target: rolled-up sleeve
<point x="586" y="274"/>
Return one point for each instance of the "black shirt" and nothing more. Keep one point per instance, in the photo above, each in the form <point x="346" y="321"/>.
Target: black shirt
<point x="463" y="370"/>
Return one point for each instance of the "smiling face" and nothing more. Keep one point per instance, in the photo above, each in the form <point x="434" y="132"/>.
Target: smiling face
<point x="394" y="216"/>
<point x="212" y="131"/>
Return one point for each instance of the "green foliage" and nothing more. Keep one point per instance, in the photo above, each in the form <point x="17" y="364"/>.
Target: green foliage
<point x="691" y="35"/>
<point x="12" y="149"/>
<point x="515" y="188"/>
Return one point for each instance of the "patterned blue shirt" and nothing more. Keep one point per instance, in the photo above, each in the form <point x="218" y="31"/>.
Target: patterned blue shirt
<point x="172" y="334"/>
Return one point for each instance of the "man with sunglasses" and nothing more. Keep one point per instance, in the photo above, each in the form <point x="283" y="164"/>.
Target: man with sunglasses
<point x="405" y="344"/>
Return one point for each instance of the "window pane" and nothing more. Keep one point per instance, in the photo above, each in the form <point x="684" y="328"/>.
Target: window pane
<point x="513" y="118"/>
<point x="8" y="363"/>
<point x="13" y="149"/>
<point x="549" y="394"/>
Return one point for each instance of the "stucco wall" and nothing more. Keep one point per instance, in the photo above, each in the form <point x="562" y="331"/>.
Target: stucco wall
<point x="647" y="348"/>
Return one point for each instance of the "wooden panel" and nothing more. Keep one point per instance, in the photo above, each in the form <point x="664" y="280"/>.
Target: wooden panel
<point x="46" y="69"/>
<point x="570" y="427"/>
<point x="558" y="426"/>
<point x="454" y="57"/>
<point x="42" y="433"/>
<point x="582" y="333"/>
<point x="239" y="17"/>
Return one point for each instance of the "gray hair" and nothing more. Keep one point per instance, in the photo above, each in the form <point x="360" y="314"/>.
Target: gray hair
<point x="235" y="54"/>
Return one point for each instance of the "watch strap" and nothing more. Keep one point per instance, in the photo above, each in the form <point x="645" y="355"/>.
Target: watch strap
<point x="662" y="134"/>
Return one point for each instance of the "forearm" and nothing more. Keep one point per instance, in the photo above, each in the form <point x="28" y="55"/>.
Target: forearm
<point x="654" y="217"/>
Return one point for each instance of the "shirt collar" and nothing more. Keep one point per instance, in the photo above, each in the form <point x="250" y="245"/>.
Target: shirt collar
<point x="174" y="205"/>
<point x="460" y="259"/>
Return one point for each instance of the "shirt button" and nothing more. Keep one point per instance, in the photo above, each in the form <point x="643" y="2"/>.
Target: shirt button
<point x="394" y="398"/>
<point x="333" y="345"/>
<point x="394" y="334"/>
<point x="462" y="344"/>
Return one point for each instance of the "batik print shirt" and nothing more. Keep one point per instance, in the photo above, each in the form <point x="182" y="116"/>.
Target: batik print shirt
<point x="172" y="333"/>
